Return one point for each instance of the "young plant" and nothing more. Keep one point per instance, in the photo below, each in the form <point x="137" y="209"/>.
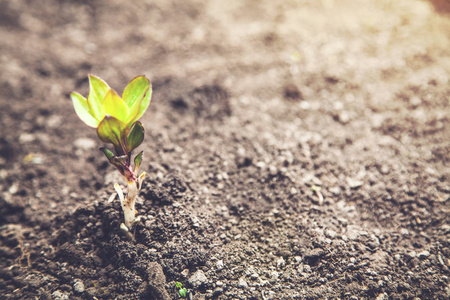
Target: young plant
<point x="182" y="291"/>
<point x="116" y="120"/>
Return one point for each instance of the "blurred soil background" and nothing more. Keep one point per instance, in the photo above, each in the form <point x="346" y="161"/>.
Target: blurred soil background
<point x="294" y="150"/>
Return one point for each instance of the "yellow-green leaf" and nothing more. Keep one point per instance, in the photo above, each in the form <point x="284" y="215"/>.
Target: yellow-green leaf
<point x="138" y="110"/>
<point x="97" y="92"/>
<point x="112" y="130"/>
<point x="114" y="106"/>
<point x="135" y="91"/>
<point x="82" y="109"/>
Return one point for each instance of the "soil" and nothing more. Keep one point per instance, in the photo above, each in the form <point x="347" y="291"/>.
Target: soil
<point x="294" y="150"/>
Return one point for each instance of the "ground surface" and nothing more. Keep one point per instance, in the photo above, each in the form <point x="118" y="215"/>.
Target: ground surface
<point x="294" y="150"/>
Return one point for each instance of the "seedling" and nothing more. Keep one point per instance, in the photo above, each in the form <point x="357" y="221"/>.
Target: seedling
<point x="116" y="120"/>
<point x="182" y="291"/>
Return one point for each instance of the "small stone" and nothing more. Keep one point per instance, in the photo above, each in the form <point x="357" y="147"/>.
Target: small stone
<point x="353" y="183"/>
<point x="343" y="117"/>
<point x="254" y="276"/>
<point x="424" y="254"/>
<point x="343" y="221"/>
<point x="274" y="276"/>
<point x="281" y="262"/>
<point x="335" y="190"/>
<point x="14" y="188"/>
<point x="305" y="105"/>
<point x="243" y="283"/>
<point x="404" y="231"/>
<point x="58" y="295"/>
<point x="261" y="164"/>
<point x="384" y="170"/>
<point x="273" y="170"/>
<point x="314" y="254"/>
<point x="219" y="264"/>
<point x="294" y="191"/>
<point x="78" y="287"/>
<point x="412" y="254"/>
<point x="198" y="279"/>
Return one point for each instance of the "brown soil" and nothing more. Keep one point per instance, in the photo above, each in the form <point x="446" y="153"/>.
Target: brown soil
<point x="294" y="150"/>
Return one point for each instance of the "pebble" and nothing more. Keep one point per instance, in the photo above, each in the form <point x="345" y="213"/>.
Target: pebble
<point x="335" y="191"/>
<point x="261" y="164"/>
<point x="198" y="279"/>
<point x="294" y="191"/>
<point x="384" y="170"/>
<point x="382" y="296"/>
<point x="343" y="117"/>
<point x="412" y="254"/>
<point x="78" y="287"/>
<point x="274" y="276"/>
<point x="273" y="170"/>
<point x="353" y="183"/>
<point x="281" y="262"/>
<point x="424" y="254"/>
<point x="58" y="295"/>
<point x="219" y="264"/>
<point x="404" y="231"/>
<point x="243" y="283"/>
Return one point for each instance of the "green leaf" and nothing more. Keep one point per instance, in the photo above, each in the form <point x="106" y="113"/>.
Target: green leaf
<point x="135" y="136"/>
<point x="178" y="284"/>
<point x="113" y="131"/>
<point x="139" y="108"/>
<point x="183" y="292"/>
<point x="114" y="106"/>
<point x="97" y="92"/>
<point x="137" y="161"/>
<point x="82" y="109"/>
<point x="135" y="91"/>
<point x="109" y="155"/>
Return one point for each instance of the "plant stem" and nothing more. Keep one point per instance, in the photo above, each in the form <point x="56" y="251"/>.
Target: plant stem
<point x="129" y="204"/>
